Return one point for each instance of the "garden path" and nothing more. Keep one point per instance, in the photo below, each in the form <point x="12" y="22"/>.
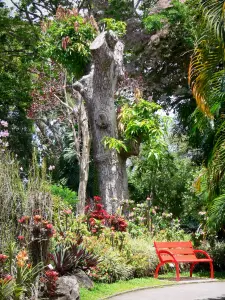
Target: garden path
<point x="194" y="291"/>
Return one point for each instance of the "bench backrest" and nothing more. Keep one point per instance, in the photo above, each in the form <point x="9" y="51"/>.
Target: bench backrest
<point x="181" y="249"/>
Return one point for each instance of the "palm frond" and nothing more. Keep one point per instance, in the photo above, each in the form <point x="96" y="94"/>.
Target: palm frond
<point x="206" y="75"/>
<point x="217" y="212"/>
<point x="214" y="13"/>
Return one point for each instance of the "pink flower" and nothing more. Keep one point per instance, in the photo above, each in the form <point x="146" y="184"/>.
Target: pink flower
<point x="24" y="220"/>
<point x="3" y="257"/>
<point x="21" y="237"/>
<point x="8" y="278"/>
<point x="4" y="123"/>
<point x="67" y="211"/>
<point x="4" y="133"/>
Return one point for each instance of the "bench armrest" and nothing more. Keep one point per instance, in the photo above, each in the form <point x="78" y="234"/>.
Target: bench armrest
<point x="203" y="252"/>
<point x="165" y="252"/>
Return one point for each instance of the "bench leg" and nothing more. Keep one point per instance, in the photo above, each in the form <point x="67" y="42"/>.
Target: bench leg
<point x="177" y="271"/>
<point x="157" y="270"/>
<point x="192" y="268"/>
<point x="211" y="270"/>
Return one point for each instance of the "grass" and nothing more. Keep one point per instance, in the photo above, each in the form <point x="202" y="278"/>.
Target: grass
<point x="104" y="290"/>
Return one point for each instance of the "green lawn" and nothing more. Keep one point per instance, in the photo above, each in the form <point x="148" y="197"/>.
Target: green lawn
<point x="103" y="290"/>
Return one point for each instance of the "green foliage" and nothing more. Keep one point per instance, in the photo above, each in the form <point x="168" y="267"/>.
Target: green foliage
<point x="17" y="50"/>
<point x="118" y="27"/>
<point x="217" y="251"/>
<point x="67" y="41"/>
<point x="142" y="256"/>
<point x="154" y="22"/>
<point x="113" y="143"/>
<point x="137" y="123"/>
<point x="68" y="196"/>
<point x="172" y="233"/>
<point x="113" y="267"/>
<point x="140" y="122"/>
<point x="102" y="290"/>
<point x="178" y="14"/>
<point x="168" y="175"/>
<point x="119" y="9"/>
<point x="217" y="213"/>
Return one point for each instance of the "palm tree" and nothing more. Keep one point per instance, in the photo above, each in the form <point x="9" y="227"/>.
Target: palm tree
<point x="207" y="81"/>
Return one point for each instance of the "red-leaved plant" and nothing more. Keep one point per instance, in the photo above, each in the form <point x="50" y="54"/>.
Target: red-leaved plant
<point x="98" y="218"/>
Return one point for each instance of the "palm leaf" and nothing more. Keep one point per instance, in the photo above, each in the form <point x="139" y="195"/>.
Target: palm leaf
<point x="217" y="212"/>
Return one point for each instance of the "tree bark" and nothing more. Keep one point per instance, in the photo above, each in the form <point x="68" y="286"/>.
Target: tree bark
<point x="98" y="89"/>
<point x="84" y="158"/>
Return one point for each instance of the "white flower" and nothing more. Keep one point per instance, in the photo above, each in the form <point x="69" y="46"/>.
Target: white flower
<point x="50" y="267"/>
<point x="51" y="168"/>
<point x="202" y="213"/>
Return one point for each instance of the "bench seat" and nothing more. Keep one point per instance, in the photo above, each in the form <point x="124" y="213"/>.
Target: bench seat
<point x="180" y="252"/>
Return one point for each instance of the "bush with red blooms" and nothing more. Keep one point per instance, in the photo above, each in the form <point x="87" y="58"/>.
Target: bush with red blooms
<point x="37" y="225"/>
<point x="49" y="278"/>
<point x="98" y="218"/>
<point x="35" y="234"/>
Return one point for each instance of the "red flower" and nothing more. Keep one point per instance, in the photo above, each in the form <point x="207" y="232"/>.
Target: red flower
<point x="97" y="198"/>
<point x="52" y="274"/>
<point x="99" y="206"/>
<point x="37" y="218"/>
<point x="51" y="233"/>
<point x="24" y="220"/>
<point x="49" y="226"/>
<point x="86" y="209"/>
<point x="94" y="230"/>
<point x="21" y="237"/>
<point x="3" y="257"/>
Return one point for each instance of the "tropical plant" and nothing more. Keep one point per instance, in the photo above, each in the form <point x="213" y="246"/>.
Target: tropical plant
<point x="68" y="258"/>
<point x="207" y="79"/>
<point x="67" y="38"/>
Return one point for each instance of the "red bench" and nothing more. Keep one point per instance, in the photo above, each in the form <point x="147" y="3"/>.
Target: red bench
<point x="180" y="252"/>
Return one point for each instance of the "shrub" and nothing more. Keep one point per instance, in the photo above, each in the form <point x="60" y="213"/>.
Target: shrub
<point x="217" y="252"/>
<point x="68" y="196"/>
<point x="113" y="267"/>
<point x="142" y="256"/>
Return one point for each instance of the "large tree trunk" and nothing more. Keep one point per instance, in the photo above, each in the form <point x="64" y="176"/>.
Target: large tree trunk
<point x="98" y="89"/>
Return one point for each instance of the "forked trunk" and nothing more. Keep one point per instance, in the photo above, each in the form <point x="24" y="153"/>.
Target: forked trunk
<point x="98" y="89"/>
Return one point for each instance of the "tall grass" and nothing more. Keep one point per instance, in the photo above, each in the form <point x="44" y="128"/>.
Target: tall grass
<point x="20" y="195"/>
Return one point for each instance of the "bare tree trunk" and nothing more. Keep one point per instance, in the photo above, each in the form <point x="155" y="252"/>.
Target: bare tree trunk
<point x="84" y="158"/>
<point x="98" y="89"/>
<point x="77" y="115"/>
